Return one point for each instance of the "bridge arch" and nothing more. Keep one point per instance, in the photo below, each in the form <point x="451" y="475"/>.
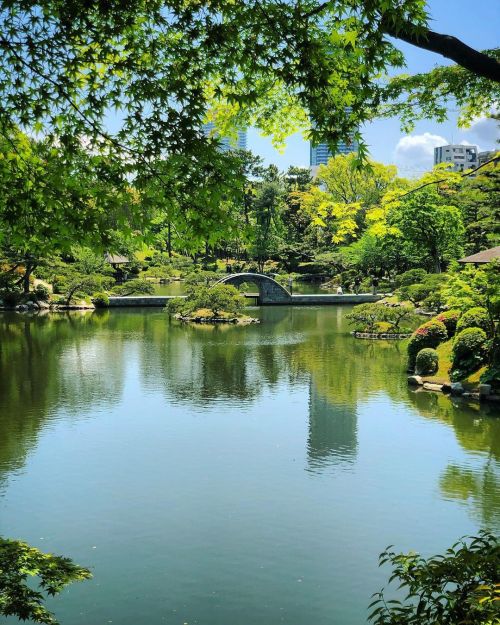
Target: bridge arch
<point x="270" y="291"/>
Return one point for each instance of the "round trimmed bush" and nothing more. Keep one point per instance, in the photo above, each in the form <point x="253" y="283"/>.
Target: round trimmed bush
<point x="469" y="351"/>
<point x="474" y="318"/>
<point x="429" y="334"/>
<point x="100" y="300"/>
<point x="427" y="361"/>
<point x="450" y="319"/>
<point x="42" y="293"/>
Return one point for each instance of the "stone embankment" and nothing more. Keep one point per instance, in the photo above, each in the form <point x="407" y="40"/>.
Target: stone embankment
<point x="318" y="299"/>
<point x="480" y="393"/>
<point x="382" y="336"/>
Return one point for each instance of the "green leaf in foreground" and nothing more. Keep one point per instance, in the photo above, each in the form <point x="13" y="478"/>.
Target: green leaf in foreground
<point x="18" y="562"/>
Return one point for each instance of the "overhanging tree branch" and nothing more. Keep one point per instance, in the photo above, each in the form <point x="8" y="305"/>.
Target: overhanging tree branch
<point x="448" y="46"/>
<point x="495" y="159"/>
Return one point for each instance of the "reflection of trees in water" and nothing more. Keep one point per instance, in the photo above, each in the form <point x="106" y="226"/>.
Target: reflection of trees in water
<point x="475" y="431"/>
<point x="75" y="362"/>
<point x="478" y="487"/>
<point x="39" y="356"/>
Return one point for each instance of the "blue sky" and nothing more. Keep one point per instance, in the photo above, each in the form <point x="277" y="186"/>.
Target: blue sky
<point x="477" y="24"/>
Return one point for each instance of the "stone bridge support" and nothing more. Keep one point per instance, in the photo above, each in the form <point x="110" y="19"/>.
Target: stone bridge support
<point x="270" y="291"/>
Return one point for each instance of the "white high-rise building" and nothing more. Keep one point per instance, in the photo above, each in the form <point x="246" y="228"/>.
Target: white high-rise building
<point x="227" y="143"/>
<point x="462" y="157"/>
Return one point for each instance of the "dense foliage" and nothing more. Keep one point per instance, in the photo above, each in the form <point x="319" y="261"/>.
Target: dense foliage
<point x="460" y="586"/>
<point x="217" y="300"/>
<point x="469" y="351"/>
<point x="476" y="317"/>
<point x="450" y="319"/>
<point x="18" y="563"/>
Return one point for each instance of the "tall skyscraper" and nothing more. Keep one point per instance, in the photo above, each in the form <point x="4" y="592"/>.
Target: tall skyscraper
<point x="227" y="143"/>
<point x="319" y="154"/>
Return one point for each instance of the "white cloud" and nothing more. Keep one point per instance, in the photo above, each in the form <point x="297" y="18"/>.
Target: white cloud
<point x="417" y="151"/>
<point x="486" y="131"/>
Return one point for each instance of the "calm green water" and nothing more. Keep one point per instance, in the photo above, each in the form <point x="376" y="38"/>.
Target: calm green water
<point x="229" y="475"/>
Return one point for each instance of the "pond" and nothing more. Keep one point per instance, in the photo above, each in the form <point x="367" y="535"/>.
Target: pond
<point x="230" y="475"/>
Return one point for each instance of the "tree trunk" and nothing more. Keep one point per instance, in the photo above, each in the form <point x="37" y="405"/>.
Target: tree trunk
<point x="169" y="240"/>
<point x="26" y="278"/>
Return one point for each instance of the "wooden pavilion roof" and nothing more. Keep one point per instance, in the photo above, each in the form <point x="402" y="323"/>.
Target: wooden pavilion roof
<point x="482" y="257"/>
<point x="116" y="259"/>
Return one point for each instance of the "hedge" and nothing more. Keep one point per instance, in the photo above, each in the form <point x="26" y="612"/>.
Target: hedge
<point x="427" y="361"/>
<point x="450" y="319"/>
<point x="475" y="318"/>
<point x="429" y="334"/>
<point x="468" y="352"/>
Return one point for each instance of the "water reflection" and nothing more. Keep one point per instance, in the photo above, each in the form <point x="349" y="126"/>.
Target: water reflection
<point x="332" y="437"/>
<point x="78" y="363"/>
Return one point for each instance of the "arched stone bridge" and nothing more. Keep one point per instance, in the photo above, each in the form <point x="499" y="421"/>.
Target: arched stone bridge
<point x="270" y="291"/>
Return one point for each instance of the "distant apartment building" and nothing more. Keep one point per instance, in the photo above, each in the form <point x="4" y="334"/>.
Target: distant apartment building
<point x="227" y="143"/>
<point x="462" y="157"/>
<point x="486" y="156"/>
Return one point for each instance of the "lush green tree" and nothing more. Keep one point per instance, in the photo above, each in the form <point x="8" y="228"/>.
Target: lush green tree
<point x="273" y="64"/>
<point x="138" y="286"/>
<point x="473" y="288"/>
<point x="477" y="198"/>
<point x="50" y="201"/>
<point x="19" y="562"/>
<point x="366" y="316"/>
<point x="431" y="230"/>
<point x="377" y="254"/>
<point x="342" y="194"/>
<point x="267" y="224"/>
<point x="220" y="298"/>
<point x="460" y="586"/>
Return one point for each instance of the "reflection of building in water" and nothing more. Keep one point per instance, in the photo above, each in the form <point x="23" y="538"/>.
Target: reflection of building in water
<point x="332" y="432"/>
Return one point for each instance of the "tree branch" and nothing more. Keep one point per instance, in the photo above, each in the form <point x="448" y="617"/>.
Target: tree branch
<point x="495" y="159"/>
<point x="449" y="47"/>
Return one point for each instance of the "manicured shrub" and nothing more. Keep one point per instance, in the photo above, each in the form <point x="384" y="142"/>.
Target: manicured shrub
<point x="221" y="298"/>
<point x="427" y="361"/>
<point x="412" y="276"/>
<point x="475" y="318"/>
<point x="100" y="300"/>
<point x="450" y="319"/>
<point x="137" y="286"/>
<point x="429" y="334"/>
<point x="42" y="293"/>
<point x="468" y="352"/>
<point x="364" y="317"/>
<point x="383" y="327"/>
<point x="401" y="318"/>
<point x="428" y="291"/>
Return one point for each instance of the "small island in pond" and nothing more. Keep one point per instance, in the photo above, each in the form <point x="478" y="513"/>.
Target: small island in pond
<point x="220" y="303"/>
